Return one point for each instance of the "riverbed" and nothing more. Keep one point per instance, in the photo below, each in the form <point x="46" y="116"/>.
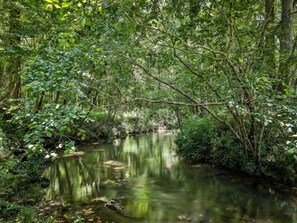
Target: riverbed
<point x="144" y="175"/>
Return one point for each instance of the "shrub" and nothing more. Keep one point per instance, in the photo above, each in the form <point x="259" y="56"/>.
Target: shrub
<point x="195" y="141"/>
<point x="97" y="116"/>
<point x="8" y="209"/>
<point x="229" y="153"/>
<point x="281" y="163"/>
<point x="204" y="140"/>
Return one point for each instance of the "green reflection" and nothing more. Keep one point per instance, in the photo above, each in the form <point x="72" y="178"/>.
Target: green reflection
<point x="153" y="186"/>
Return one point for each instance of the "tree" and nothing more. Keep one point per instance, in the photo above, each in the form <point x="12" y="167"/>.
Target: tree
<point x="22" y="25"/>
<point x="270" y="44"/>
<point x="14" y="66"/>
<point x="286" y="43"/>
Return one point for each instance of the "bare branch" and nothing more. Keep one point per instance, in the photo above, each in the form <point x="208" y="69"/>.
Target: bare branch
<point x="180" y="103"/>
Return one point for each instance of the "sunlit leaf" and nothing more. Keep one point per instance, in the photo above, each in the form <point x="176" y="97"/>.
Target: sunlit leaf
<point x="57" y="6"/>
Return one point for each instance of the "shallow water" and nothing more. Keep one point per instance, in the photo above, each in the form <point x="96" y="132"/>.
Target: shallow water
<point x="153" y="186"/>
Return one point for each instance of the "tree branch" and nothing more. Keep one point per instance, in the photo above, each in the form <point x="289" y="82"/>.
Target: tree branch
<point x="180" y="103"/>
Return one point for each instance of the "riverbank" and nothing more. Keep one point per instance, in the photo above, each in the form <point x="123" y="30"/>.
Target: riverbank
<point x="204" y="140"/>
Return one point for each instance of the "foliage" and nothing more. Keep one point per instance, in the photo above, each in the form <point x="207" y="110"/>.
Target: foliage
<point x="81" y="70"/>
<point x="41" y="127"/>
<point x="195" y="140"/>
<point x="229" y="153"/>
<point x="140" y="121"/>
<point x="8" y="209"/>
<point x="101" y="127"/>
<point x="204" y="140"/>
<point x="21" y="185"/>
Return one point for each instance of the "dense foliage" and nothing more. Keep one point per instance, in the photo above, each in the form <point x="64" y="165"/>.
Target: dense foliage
<point x="91" y="70"/>
<point x="205" y="140"/>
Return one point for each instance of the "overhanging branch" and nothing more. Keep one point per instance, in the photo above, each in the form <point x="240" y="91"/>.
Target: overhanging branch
<point x="180" y="103"/>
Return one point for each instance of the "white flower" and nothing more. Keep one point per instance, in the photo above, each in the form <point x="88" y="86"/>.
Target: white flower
<point x="30" y="146"/>
<point x="47" y="156"/>
<point x="54" y="154"/>
<point x="289" y="130"/>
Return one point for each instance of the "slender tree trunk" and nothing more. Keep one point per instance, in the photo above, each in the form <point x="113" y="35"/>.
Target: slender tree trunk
<point x="14" y="87"/>
<point x="270" y="45"/>
<point x="285" y="42"/>
<point x="14" y="77"/>
<point x="2" y="81"/>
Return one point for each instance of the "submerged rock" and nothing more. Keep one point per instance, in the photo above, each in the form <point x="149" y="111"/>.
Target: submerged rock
<point x="77" y="153"/>
<point x="115" y="164"/>
<point x="184" y="217"/>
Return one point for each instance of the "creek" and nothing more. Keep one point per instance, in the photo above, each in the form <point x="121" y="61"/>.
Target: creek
<point x="144" y="174"/>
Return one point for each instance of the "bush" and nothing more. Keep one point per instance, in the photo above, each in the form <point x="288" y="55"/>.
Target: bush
<point x="16" y="213"/>
<point x="229" y="153"/>
<point x="8" y="209"/>
<point x="195" y="141"/>
<point x="97" y="116"/>
<point x="20" y="180"/>
<point x="281" y="163"/>
<point x="204" y="140"/>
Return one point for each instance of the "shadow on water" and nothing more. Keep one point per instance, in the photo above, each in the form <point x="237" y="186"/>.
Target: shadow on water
<point x="145" y="176"/>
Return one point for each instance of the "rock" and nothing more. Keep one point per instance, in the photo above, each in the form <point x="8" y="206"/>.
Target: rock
<point x="77" y="153"/>
<point x="184" y="217"/>
<point x="114" y="204"/>
<point x="114" y="164"/>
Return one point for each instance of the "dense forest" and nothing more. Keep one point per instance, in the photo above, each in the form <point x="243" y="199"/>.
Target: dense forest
<point x="221" y="71"/>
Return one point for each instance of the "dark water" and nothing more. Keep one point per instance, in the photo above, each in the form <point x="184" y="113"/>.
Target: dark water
<point x="144" y="174"/>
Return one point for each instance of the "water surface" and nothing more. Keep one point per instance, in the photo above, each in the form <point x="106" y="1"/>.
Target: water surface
<point x="153" y="186"/>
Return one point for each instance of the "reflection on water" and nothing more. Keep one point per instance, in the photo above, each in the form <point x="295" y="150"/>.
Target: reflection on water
<point x="153" y="186"/>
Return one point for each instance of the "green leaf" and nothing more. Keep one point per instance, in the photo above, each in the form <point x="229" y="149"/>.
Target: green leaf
<point x="88" y="22"/>
<point x="100" y="9"/>
<point x="57" y="6"/>
<point x="66" y="4"/>
<point x="49" y="7"/>
<point x="83" y="21"/>
<point x="49" y="134"/>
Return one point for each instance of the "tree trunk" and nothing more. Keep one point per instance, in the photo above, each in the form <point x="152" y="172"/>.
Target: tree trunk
<point x="14" y="87"/>
<point x="285" y="43"/>
<point x="270" y="45"/>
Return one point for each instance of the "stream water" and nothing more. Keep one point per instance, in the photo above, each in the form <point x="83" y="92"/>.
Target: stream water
<point x="153" y="186"/>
